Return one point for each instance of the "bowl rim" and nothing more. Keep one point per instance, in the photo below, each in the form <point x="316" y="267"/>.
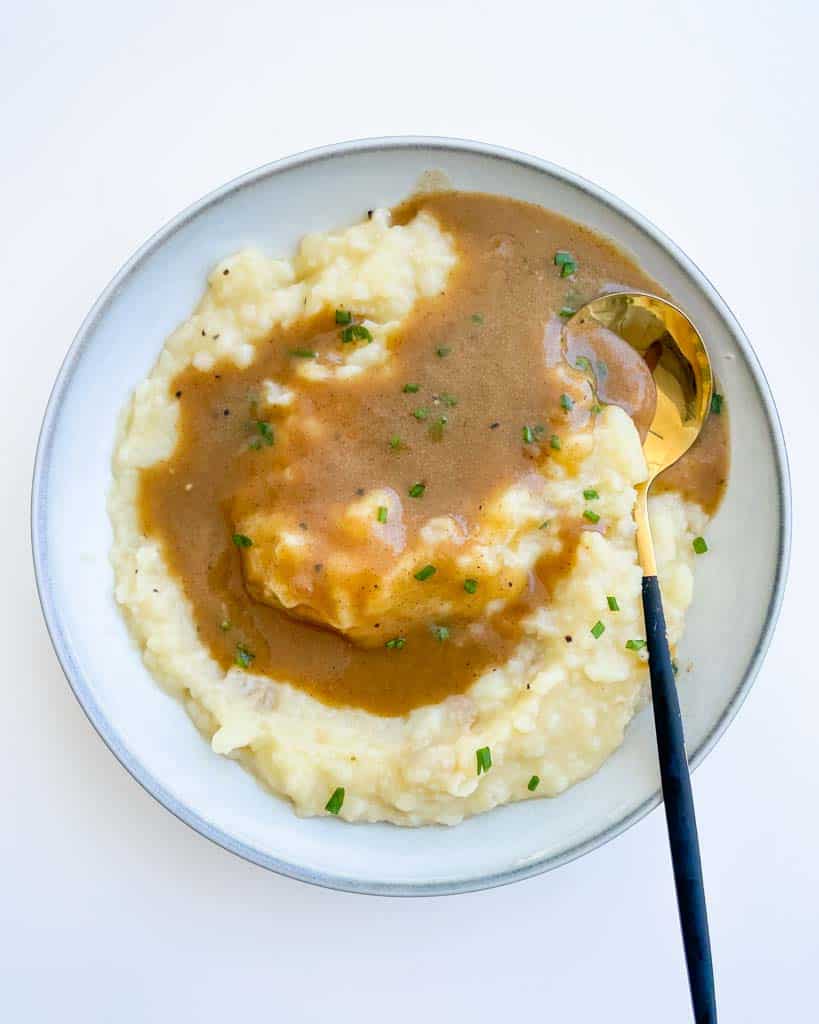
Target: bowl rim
<point x="51" y="613"/>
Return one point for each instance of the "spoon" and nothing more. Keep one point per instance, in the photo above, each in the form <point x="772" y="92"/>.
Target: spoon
<point x="676" y="355"/>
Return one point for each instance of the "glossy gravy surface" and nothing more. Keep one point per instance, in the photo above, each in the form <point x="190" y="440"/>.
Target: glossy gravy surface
<point x="492" y="342"/>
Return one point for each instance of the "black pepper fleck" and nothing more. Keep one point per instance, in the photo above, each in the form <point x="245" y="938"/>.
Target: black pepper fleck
<point x="178" y="394"/>
<point x="568" y="639"/>
<point x="494" y="426"/>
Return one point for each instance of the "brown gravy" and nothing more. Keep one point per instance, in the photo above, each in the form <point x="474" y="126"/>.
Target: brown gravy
<point x="491" y="341"/>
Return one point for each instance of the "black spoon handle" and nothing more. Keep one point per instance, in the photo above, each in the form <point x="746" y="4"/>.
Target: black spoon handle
<point x="679" y="809"/>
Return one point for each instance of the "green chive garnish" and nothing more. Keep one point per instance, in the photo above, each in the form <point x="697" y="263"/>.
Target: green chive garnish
<point x="582" y="363"/>
<point x="343" y="316"/>
<point x="335" y="802"/>
<point x="533" y="783"/>
<point x="396" y="643"/>
<point x="484" y="759"/>
<point x="442" y="351"/>
<point x="241" y="540"/>
<point x="596" y="409"/>
<point x="440" y="633"/>
<point x="355" y="332"/>
<point x="411" y="389"/>
<point x="592" y="517"/>
<point x="225" y="625"/>
<point x="545" y="524"/>
<point x="436" y="429"/>
<point x="266" y="431"/>
<point x="528" y="435"/>
<point x="716" y="403"/>
<point x="243" y="656"/>
<point x="566" y="312"/>
<point x="417" y="490"/>
<point x="470" y="586"/>
<point x="554" y="441"/>
<point x="699" y="545"/>
<point x="561" y="257"/>
<point x="598" y="629"/>
<point x="566" y="402"/>
<point x="477" y="318"/>
<point x="303" y="353"/>
<point x="381" y="515"/>
<point x="613" y="605"/>
<point x="420" y="413"/>
<point x="568" y="268"/>
<point x="590" y="494"/>
<point x="425" y="573"/>
<point x="449" y="400"/>
<point x="395" y="443"/>
<point x="635" y="645"/>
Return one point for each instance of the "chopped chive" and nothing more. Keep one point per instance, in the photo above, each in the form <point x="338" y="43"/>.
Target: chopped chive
<point x="582" y="363"/>
<point x="596" y="409"/>
<point x="343" y="316"/>
<point x="635" y="645"/>
<point x="442" y="351"/>
<point x="440" y="633"/>
<point x="417" y="490"/>
<point x="241" y="540"/>
<point x="336" y="801"/>
<point x="420" y="413"/>
<point x="566" y="312"/>
<point x="566" y="402"/>
<point x="477" y="318"/>
<point x="382" y="513"/>
<point x="425" y="573"/>
<point x="528" y="435"/>
<point x="243" y="656"/>
<point x="590" y="494"/>
<point x="355" y="332"/>
<point x="484" y="759"/>
<point x="395" y="443"/>
<point x="303" y="353"/>
<point x="470" y="586"/>
<point x="568" y="268"/>
<point x="561" y="257"/>
<point x="716" y="403"/>
<point x="436" y="429"/>
<point x="533" y="783"/>
<point x="411" y="389"/>
<point x="256" y="444"/>
<point x="554" y="441"/>
<point x="225" y="625"/>
<point x="266" y="431"/>
<point x="545" y="524"/>
<point x="613" y="605"/>
<point x="396" y="643"/>
<point x="592" y="517"/>
<point x="598" y="629"/>
<point x="699" y="545"/>
<point x="449" y="400"/>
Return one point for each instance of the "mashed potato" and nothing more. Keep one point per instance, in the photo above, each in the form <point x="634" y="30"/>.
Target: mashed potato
<point x="554" y="711"/>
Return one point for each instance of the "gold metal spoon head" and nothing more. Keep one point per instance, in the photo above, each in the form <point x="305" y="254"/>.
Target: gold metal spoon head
<point x="677" y="357"/>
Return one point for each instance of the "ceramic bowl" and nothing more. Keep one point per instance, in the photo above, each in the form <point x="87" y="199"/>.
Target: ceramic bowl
<point x="738" y="588"/>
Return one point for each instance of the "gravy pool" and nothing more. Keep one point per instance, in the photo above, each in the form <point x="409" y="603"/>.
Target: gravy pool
<point x="489" y="404"/>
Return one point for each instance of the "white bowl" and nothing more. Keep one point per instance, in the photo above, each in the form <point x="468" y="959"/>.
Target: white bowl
<point x="738" y="588"/>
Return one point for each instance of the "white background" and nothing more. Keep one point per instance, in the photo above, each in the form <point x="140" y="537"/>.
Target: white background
<point x="112" y="118"/>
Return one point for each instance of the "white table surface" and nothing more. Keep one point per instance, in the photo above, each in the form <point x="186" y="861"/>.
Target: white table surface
<point x="115" y="116"/>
